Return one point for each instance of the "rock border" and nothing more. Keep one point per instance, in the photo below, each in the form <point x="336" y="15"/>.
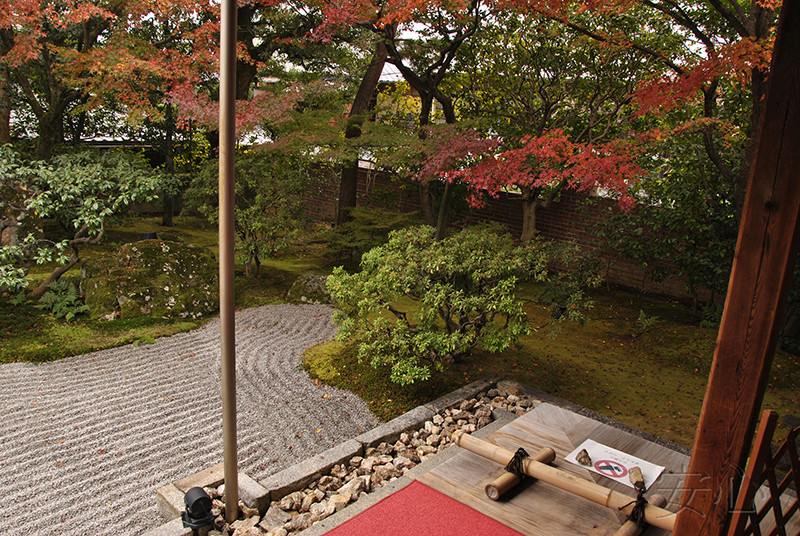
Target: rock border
<point x="316" y="490"/>
<point x="259" y="495"/>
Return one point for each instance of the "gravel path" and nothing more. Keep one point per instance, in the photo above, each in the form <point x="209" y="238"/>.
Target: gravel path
<point x="86" y="440"/>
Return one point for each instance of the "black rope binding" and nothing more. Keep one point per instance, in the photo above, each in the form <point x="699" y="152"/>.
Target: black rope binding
<point x="637" y="514"/>
<point x="515" y="466"/>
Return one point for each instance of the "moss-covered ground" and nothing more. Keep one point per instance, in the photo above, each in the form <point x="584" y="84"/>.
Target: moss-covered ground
<point x="29" y="334"/>
<point x="650" y="377"/>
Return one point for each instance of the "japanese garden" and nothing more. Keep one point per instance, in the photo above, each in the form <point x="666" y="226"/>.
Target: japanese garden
<point x="545" y="192"/>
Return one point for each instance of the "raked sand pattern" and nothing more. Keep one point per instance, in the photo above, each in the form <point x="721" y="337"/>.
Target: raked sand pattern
<point x="86" y="441"/>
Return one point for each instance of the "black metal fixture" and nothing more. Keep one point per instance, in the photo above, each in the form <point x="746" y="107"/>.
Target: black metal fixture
<point x="198" y="509"/>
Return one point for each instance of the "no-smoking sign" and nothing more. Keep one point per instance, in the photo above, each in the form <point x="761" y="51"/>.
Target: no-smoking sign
<point x="612" y="463"/>
<point x="611" y="468"/>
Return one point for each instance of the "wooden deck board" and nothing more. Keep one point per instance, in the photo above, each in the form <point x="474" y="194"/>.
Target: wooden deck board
<point x="540" y="509"/>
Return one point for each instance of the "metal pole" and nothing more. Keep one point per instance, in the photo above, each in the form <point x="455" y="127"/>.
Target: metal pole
<point x="227" y="159"/>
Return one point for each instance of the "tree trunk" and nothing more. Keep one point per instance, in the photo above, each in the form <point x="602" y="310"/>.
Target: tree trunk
<point x="5" y="104"/>
<point x="56" y="275"/>
<point x="444" y="209"/>
<point x="447" y="196"/>
<point x="426" y="203"/>
<point x="252" y="268"/>
<point x="758" y="88"/>
<point x="246" y="68"/>
<point x="348" y="197"/>
<point x="529" y="209"/>
<point x="531" y="203"/>
<point x="168" y="148"/>
<point x="425" y="194"/>
<point x="348" y="192"/>
<point x="245" y="74"/>
<point x="48" y="132"/>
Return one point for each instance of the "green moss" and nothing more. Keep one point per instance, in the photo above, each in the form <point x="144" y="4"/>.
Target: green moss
<point x="338" y="365"/>
<point x="652" y="379"/>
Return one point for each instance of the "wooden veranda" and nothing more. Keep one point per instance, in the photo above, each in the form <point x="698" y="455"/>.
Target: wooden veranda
<point x="538" y="508"/>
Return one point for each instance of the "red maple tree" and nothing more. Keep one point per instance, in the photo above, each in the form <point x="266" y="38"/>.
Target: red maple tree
<point x="550" y="162"/>
<point x="68" y="57"/>
<point x="707" y="50"/>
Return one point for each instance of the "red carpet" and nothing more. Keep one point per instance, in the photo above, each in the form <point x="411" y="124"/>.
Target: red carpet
<point x="419" y="510"/>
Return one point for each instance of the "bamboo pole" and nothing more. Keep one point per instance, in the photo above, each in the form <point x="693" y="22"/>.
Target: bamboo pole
<point x="227" y="159"/>
<point x="658" y="517"/>
<point x="506" y="481"/>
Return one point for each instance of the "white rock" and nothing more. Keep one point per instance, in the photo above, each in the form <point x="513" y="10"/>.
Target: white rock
<point x="382" y="473"/>
<point x="293" y="501"/>
<point x="339" y="470"/>
<point x="401" y="462"/>
<point x="299" y="522"/>
<point x="328" y="482"/>
<point x="339" y="501"/>
<point x="368" y="464"/>
<point x="424" y="450"/>
<point x="483" y="421"/>
<point x="308" y="500"/>
<point x="246" y="511"/>
<point x="354" y="487"/>
<point x="320" y="511"/>
<point x="241" y="527"/>
<point x="274" y="518"/>
<point x="385" y="449"/>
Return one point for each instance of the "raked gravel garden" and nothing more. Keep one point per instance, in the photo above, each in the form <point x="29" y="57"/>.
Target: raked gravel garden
<point x="87" y="440"/>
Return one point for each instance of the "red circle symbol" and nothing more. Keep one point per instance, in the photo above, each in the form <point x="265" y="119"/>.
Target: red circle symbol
<point x="610" y="468"/>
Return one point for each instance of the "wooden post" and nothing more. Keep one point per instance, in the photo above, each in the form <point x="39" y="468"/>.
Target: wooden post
<point x="760" y="279"/>
<point x="227" y="310"/>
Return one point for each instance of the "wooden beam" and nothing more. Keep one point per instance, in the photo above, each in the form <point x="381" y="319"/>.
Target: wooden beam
<point x="762" y="273"/>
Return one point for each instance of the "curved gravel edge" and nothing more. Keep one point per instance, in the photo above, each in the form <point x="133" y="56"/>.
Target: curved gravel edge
<point x="87" y="438"/>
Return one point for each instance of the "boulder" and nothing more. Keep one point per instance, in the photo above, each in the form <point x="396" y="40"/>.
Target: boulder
<point x="310" y="288"/>
<point x="152" y="278"/>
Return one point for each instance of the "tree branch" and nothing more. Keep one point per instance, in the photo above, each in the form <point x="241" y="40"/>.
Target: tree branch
<point x="728" y="15"/>
<point x="676" y="13"/>
<point x="603" y="39"/>
<point x="399" y="314"/>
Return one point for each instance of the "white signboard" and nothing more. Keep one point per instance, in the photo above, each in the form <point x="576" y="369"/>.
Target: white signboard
<point x="615" y="464"/>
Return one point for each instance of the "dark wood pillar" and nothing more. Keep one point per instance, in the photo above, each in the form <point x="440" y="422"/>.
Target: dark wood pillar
<point x="762" y="273"/>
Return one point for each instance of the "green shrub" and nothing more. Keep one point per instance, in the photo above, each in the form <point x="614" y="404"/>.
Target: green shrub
<point x="418" y="303"/>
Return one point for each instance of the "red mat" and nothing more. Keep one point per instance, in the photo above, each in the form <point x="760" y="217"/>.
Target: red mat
<point x="419" y="510"/>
